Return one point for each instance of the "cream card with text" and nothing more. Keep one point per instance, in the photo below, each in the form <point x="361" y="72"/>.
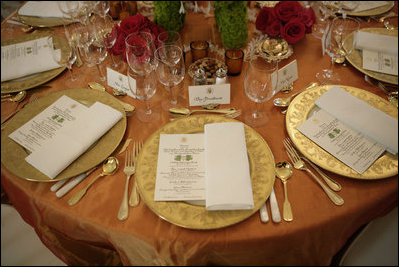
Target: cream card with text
<point x="121" y="82"/>
<point x="209" y="94"/>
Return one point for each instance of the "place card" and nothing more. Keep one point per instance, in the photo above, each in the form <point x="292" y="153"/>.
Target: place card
<point x="209" y="94"/>
<point x="44" y="126"/>
<point x="121" y="82"/>
<point x="349" y="146"/>
<point x="180" y="168"/>
<point x="380" y="62"/>
<point x="287" y="75"/>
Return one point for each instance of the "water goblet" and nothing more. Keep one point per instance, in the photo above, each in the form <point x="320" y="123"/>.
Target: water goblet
<point x="337" y="34"/>
<point x="260" y="83"/>
<point x="170" y="72"/>
<point x="139" y="51"/>
<point x="64" y="60"/>
<point x="108" y="33"/>
<point x="170" y="38"/>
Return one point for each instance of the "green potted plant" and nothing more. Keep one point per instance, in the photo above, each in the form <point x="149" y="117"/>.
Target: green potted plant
<point x="231" y="20"/>
<point x="167" y="15"/>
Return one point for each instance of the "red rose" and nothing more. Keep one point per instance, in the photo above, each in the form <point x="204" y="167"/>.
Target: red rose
<point x="293" y="31"/>
<point x="274" y="28"/>
<point x="286" y="10"/>
<point x="308" y="18"/>
<point x="119" y="46"/>
<point x="137" y="47"/>
<point x="133" y="23"/>
<point x="265" y="17"/>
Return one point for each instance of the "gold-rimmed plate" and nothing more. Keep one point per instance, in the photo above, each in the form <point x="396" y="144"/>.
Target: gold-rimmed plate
<point x="374" y="11"/>
<point x="355" y="58"/>
<point x="191" y="216"/>
<point x="298" y="112"/>
<point x="37" y="79"/>
<point x="13" y="155"/>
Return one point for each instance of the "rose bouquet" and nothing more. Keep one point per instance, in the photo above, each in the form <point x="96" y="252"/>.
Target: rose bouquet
<point x="135" y="23"/>
<point x="287" y="19"/>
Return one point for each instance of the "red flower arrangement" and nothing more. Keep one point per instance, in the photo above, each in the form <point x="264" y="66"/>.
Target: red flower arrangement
<point x="135" y="23"/>
<point x="287" y="19"/>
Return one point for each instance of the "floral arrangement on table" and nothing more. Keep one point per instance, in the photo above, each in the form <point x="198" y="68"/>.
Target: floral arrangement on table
<point x="287" y="19"/>
<point x="135" y="23"/>
<point x="169" y="15"/>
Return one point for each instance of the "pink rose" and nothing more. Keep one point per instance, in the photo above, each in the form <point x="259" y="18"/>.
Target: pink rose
<point x="293" y="31"/>
<point x="265" y="17"/>
<point x="286" y="10"/>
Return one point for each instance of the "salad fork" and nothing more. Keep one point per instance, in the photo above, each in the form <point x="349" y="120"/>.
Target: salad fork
<point x="300" y="165"/>
<point x="134" y="197"/>
<point x="129" y="169"/>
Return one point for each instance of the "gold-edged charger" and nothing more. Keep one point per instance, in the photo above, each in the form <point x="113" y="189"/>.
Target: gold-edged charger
<point x="374" y="11"/>
<point x="31" y="81"/>
<point x="298" y="112"/>
<point x="190" y="216"/>
<point x="355" y="58"/>
<point x="13" y="155"/>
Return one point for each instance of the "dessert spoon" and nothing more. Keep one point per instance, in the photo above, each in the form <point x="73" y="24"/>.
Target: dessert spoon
<point x="284" y="172"/>
<point x="16" y="98"/>
<point x="286" y="101"/>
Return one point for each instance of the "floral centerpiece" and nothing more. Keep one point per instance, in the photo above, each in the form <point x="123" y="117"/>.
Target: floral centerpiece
<point x="135" y="23"/>
<point x="287" y="19"/>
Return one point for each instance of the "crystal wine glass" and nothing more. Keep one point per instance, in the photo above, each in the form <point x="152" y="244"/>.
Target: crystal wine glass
<point x="109" y="35"/>
<point x="139" y="52"/>
<point x="337" y="34"/>
<point x="260" y="83"/>
<point x="170" y="71"/>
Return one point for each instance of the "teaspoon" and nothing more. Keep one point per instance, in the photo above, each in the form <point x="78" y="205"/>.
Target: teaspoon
<point x="284" y="172"/>
<point x="186" y="111"/>
<point x="16" y="98"/>
<point x="286" y="101"/>
<point x="110" y="166"/>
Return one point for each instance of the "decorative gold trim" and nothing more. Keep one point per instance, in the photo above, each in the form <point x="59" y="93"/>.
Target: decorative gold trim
<point x="298" y="111"/>
<point x="193" y="216"/>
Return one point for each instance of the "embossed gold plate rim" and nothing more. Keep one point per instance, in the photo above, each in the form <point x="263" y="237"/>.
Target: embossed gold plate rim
<point x="384" y="167"/>
<point x="373" y="12"/>
<point x="13" y="155"/>
<point x="355" y="58"/>
<point x="32" y="81"/>
<point x="192" y="216"/>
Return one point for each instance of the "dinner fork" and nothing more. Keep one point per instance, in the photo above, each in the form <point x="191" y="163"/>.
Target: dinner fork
<point x="129" y="169"/>
<point x="300" y="165"/>
<point x="334" y="185"/>
<point x="134" y="197"/>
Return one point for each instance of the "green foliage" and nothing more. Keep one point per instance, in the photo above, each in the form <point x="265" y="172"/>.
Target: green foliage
<point x="231" y="20"/>
<point x="167" y="16"/>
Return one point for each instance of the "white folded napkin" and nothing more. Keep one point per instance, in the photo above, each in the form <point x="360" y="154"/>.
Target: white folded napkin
<point x="41" y="9"/>
<point x="361" y="117"/>
<point x="74" y="139"/>
<point x="376" y="42"/>
<point x="228" y="180"/>
<point x="23" y="59"/>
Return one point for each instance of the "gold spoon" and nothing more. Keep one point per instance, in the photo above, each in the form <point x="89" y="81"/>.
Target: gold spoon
<point x="186" y="111"/>
<point x="284" y="171"/>
<point x="110" y="166"/>
<point x="16" y="98"/>
<point x="285" y="101"/>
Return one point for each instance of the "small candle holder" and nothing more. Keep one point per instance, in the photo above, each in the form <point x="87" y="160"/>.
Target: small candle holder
<point x="199" y="49"/>
<point x="233" y="59"/>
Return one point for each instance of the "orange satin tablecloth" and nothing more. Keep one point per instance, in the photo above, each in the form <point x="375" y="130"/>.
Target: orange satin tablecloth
<point x="89" y="233"/>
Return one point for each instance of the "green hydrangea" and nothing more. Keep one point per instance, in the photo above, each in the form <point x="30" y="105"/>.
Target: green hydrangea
<point x="231" y="19"/>
<point x="167" y="16"/>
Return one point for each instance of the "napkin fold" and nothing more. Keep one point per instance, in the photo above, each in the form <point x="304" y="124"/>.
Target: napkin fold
<point x="74" y="139"/>
<point x="361" y="117"/>
<point x="43" y="9"/>
<point x="228" y="181"/>
<point x="376" y="42"/>
<point x="26" y="58"/>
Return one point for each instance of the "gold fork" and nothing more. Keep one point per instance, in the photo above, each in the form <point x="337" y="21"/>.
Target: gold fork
<point x="300" y="165"/>
<point x="129" y="169"/>
<point x="134" y="197"/>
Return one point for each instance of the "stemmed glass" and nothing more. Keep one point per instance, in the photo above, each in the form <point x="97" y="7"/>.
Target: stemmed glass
<point x="101" y="8"/>
<point x="170" y="38"/>
<point x="109" y="34"/>
<point x="170" y="71"/>
<point x="66" y="61"/>
<point x="260" y="84"/>
<point x="322" y="13"/>
<point x="337" y="35"/>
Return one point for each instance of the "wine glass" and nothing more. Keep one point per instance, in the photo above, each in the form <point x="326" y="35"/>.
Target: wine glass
<point x="109" y="35"/>
<point x="170" y="71"/>
<point x="66" y="61"/>
<point x="101" y="8"/>
<point x="139" y="52"/>
<point x="322" y="13"/>
<point x="69" y="8"/>
<point x="260" y="84"/>
<point x="170" y="38"/>
<point x="144" y="87"/>
<point x="92" y="47"/>
<point x="337" y="34"/>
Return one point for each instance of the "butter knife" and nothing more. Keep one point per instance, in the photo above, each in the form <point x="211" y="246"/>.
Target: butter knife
<point x="276" y="217"/>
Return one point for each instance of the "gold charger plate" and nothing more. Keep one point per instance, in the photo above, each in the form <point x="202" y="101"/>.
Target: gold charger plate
<point x="384" y="167"/>
<point x="371" y="12"/>
<point x="355" y="58"/>
<point x="193" y="216"/>
<point x="13" y="155"/>
<point x="37" y="79"/>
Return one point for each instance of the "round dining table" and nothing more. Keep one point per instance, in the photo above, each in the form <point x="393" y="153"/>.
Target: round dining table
<point x="90" y="233"/>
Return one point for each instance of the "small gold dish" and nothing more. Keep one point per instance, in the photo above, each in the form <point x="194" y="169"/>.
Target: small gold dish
<point x="274" y="47"/>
